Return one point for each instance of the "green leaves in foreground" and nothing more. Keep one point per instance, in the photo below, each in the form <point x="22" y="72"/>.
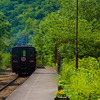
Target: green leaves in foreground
<point x="83" y="84"/>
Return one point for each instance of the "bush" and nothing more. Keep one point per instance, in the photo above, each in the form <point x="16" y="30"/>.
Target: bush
<point x="6" y="60"/>
<point x="83" y="84"/>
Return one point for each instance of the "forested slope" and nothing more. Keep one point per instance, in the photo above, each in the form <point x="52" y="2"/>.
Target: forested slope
<point x="25" y="15"/>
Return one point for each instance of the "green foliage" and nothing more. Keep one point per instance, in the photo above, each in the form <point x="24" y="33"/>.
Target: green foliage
<point x="54" y="30"/>
<point x="84" y="83"/>
<point x="4" y="26"/>
<point x="58" y="29"/>
<point x="4" y="31"/>
<point x="0" y="60"/>
<point x="89" y="9"/>
<point x="48" y="24"/>
<point x="20" y="13"/>
<point x="5" y="60"/>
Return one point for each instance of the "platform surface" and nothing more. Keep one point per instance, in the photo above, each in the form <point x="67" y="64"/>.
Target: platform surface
<point x="41" y="85"/>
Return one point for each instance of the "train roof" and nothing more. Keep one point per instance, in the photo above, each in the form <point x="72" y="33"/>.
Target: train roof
<point x="23" y="46"/>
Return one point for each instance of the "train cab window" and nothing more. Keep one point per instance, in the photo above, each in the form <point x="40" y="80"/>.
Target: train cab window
<point x="31" y="52"/>
<point x="15" y="52"/>
<point x="24" y="53"/>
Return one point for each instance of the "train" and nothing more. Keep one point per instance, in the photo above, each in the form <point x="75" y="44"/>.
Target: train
<point x="23" y="59"/>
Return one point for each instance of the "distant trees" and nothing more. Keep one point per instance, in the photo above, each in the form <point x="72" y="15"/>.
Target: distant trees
<point x="22" y="12"/>
<point x="5" y="27"/>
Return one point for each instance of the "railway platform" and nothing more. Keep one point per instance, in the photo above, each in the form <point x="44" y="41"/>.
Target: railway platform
<point x="41" y="85"/>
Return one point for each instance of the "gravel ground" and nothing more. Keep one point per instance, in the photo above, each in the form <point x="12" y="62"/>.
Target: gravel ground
<point x="5" y="77"/>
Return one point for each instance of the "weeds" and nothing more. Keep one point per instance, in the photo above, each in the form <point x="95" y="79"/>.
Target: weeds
<point x="83" y="84"/>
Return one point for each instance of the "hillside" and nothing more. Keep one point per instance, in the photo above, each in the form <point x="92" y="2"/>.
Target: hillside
<point x="20" y="12"/>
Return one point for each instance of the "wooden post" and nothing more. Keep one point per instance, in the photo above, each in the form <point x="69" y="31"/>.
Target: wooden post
<point x="76" y="34"/>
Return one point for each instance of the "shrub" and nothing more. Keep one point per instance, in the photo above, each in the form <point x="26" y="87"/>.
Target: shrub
<point x="83" y="84"/>
<point x="6" y="60"/>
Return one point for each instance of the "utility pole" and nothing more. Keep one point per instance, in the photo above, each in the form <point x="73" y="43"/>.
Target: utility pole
<point x="76" y="34"/>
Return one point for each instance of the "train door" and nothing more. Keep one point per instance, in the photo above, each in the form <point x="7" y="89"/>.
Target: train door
<point x="23" y="58"/>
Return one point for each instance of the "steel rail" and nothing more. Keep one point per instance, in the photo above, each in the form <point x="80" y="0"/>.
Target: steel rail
<point x="9" y="83"/>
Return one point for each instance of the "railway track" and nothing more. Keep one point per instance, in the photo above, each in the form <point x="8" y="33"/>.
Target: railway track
<point x="9" y="83"/>
<point x="11" y="86"/>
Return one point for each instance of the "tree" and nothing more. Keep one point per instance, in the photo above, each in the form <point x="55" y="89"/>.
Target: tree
<point x="4" y="30"/>
<point x="60" y="26"/>
<point x="4" y="26"/>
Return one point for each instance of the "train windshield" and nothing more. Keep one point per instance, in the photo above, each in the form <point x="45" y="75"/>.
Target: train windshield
<point x="31" y="52"/>
<point x="15" y="52"/>
<point x="23" y="52"/>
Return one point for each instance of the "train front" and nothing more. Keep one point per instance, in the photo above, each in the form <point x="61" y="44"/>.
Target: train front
<point x="23" y="59"/>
